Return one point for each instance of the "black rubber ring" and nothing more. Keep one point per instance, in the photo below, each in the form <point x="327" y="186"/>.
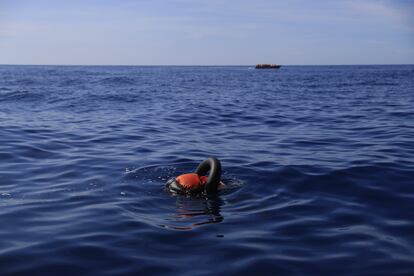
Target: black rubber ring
<point x="213" y="165"/>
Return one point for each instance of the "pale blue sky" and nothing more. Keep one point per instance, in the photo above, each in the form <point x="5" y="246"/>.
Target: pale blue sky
<point x="206" y="32"/>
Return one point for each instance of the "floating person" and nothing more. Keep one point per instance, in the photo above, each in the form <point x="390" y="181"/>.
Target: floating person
<point x="198" y="182"/>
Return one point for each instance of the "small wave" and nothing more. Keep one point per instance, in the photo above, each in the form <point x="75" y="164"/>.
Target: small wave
<point x="21" y="95"/>
<point x="376" y="83"/>
<point x="26" y="82"/>
<point x="117" y="81"/>
<point x="71" y="82"/>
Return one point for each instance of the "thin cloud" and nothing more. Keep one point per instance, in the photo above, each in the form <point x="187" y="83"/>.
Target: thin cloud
<point x="398" y="13"/>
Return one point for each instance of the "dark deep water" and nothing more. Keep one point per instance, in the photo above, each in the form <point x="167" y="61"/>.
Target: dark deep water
<point x="320" y="161"/>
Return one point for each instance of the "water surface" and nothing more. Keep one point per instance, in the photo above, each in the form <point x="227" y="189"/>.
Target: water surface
<point x="320" y="161"/>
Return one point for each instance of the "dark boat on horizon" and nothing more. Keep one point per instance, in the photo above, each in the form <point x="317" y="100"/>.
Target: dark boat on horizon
<point x="267" y="66"/>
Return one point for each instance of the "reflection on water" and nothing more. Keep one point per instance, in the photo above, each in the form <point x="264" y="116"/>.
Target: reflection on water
<point x="192" y="212"/>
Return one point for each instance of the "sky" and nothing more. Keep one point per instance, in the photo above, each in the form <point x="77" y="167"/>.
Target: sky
<point x="206" y="32"/>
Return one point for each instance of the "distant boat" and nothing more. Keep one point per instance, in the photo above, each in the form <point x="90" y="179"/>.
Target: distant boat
<point x="268" y="66"/>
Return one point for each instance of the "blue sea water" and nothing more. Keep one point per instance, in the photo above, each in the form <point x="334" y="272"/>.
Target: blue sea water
<point x="319" y="162"/>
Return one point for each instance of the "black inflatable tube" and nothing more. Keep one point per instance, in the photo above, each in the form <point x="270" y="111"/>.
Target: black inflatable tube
<point x="213" y="165"/>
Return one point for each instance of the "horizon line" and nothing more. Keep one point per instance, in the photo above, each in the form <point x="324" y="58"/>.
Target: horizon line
<point x="200" y="65"/>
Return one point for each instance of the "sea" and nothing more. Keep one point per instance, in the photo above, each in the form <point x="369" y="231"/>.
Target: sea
<point x="318" y="163"/>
